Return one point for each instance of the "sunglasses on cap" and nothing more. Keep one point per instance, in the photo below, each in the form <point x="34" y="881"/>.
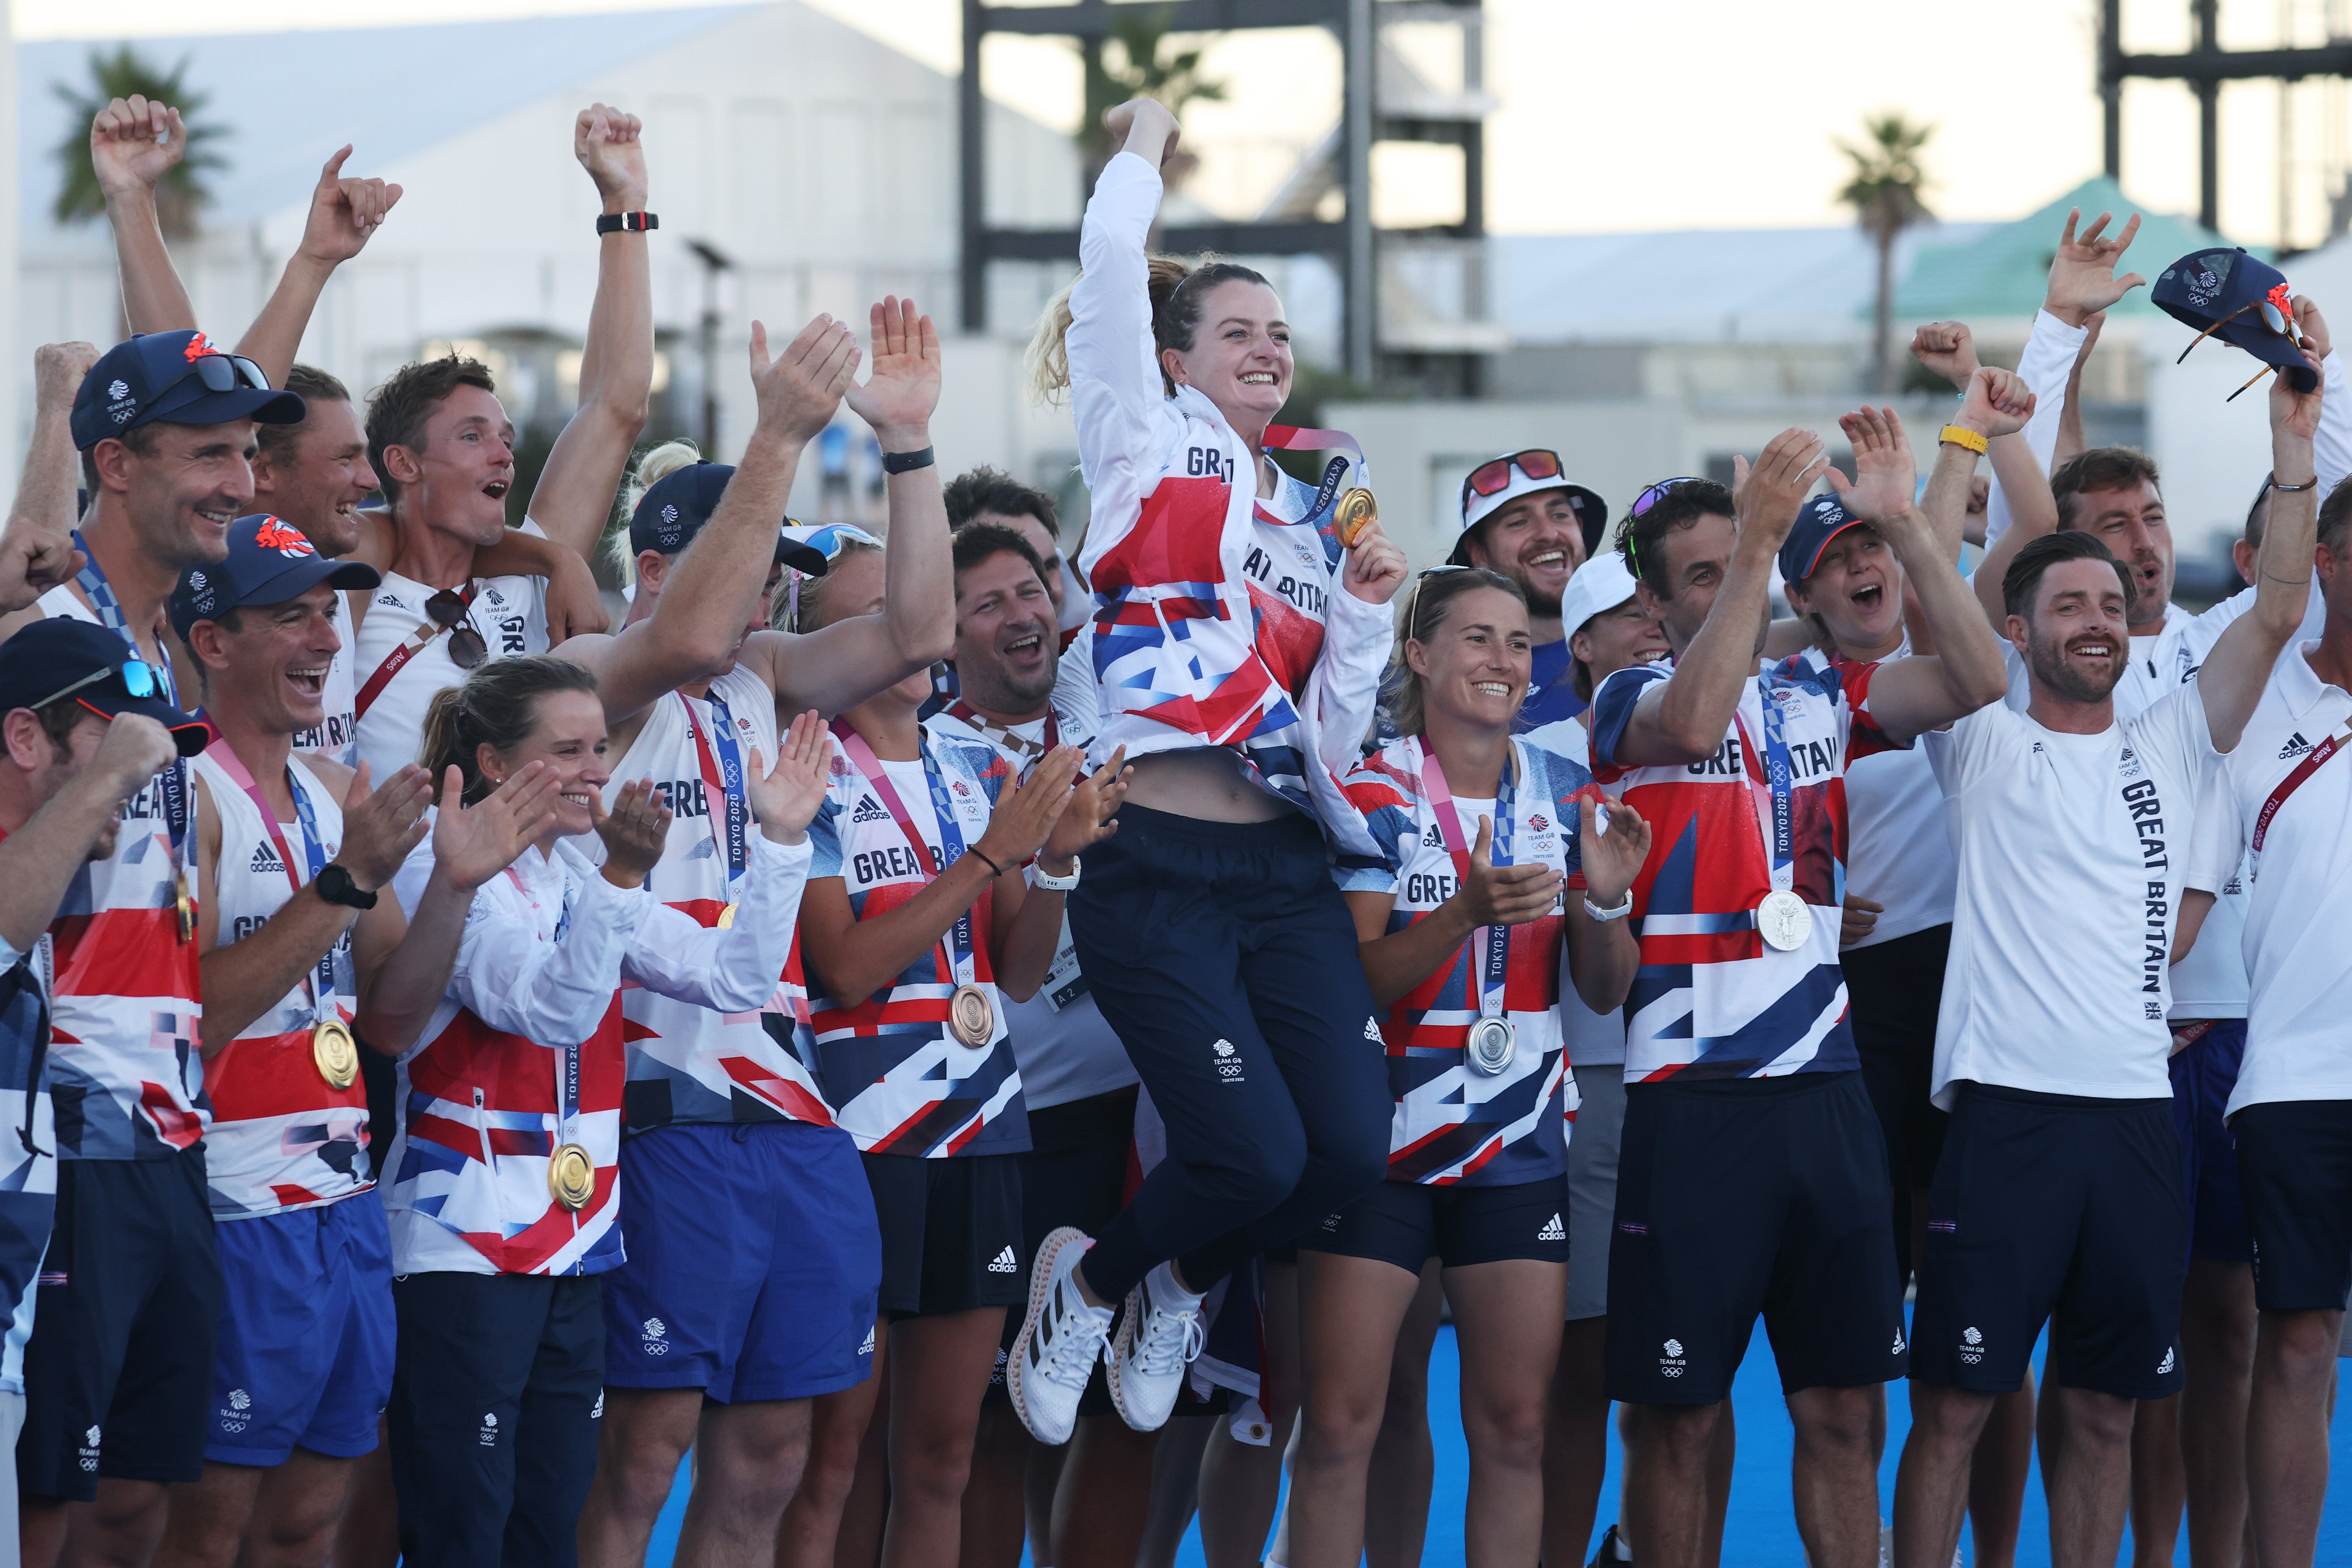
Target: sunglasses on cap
<point x="226" y="372"/>
<point x="1493" y="478"/>
<point x="140" y="680"/>
<point x="2275" y="310"/>
<point x="468" y="647"/>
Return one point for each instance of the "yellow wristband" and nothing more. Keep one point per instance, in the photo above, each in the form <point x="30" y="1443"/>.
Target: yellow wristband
<point x="1967" y="438"/>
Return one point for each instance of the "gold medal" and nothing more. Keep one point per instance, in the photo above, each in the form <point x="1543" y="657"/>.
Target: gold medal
<point x="972" y="1017"/>
<point x="185" y="904"/>
<point x="727" y="917"/>
<point x="1355" y="512"/>
<point x="571" y="1176"/>
<point x="334" y="1052"/>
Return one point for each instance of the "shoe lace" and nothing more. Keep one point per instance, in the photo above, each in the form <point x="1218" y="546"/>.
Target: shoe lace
<point x="1169" y="1343"/>
<point x="1070" y="1359"/>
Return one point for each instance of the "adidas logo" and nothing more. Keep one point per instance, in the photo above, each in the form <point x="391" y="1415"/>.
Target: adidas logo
<point x="387" y="599"/>
<point x="2295" y="747"/>
<point x="265" y="859"/>
<point x="1434" y="838"/>
<point x="869" y="809"/>
<point x="1004" y="1262"/>
<point x="2166" y="1366"/>
<point x="867" y="1348"/>
<point x="1372" y="1031"/>
<point x="1898" y="1342"/>
<point x="1553" y="1230"/>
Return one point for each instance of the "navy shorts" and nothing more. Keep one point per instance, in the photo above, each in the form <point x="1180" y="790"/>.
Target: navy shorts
<point x="753" y="1260"/>
<point x="2294" y="1157"/>
<point x="1894" y="989"/>
<point x="306" y="1334"/>
<point x="2204" y="1073"/>
<point x="1737" y="1197"/>
<point x="2057" y="1208"/>
<point x="118" y="1372"/>
<point x="1075" y="1172"/>
<point x="1408" y="1223"/>
<point x="950" y="1233"/>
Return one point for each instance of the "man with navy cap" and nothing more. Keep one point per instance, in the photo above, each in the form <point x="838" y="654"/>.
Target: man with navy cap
<point x="299" y="959"/>
<point x="1522" y="518"/>
<point x="65" y="766"/>
<point x="118" y="1382"/>
<point x="754" y="1258"/>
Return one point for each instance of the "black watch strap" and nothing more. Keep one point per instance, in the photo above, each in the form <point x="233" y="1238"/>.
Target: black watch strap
<point x="907" y="462"/>
<point x="626" y="223"/>
<point x="335" y="885"/>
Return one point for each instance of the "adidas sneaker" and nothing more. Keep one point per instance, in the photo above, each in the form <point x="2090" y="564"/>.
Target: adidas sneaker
<point x="1159" y="1336"/>
<point x="1061" y="1339"/>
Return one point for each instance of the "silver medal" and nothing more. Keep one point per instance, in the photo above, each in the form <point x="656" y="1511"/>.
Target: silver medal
<point x="1493" y="1042"/>
<point x="1784" y="921"/>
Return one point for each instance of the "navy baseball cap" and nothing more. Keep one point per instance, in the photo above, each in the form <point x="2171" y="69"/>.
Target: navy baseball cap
<point x="179" y="378"/>
<point x="2240" y="300"/>
<point x="269" y="562"/>
<point x="58" y="657"/>
<point x="1820" y="520"/>
<point x="674" y="508"/>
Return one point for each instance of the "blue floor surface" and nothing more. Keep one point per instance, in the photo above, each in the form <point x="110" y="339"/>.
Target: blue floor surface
<point x="1761" y="1532"/>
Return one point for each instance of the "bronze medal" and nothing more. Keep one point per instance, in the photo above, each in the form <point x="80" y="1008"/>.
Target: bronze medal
<point x="1357" y="511"/>
<point x="571" y="1176"/>
<point x="335" y="1053"/>
<point x="972" y="1017"/>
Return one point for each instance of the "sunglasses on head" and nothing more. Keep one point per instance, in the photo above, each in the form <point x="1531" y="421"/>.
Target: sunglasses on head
<point x="1493" y="478"/>
<point x="448" y="611"/>
<point x="1656" y="493"/>
<point x="140" y="682"/>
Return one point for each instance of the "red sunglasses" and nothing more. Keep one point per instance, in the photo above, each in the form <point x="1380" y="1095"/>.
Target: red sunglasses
<point x="1493" y="478"/>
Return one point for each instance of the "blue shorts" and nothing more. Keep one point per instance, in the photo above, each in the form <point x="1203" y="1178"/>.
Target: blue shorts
<point x="753" y="1263"/>
<point x="305" y="1353"/>
<point x="2203" y="1074"/>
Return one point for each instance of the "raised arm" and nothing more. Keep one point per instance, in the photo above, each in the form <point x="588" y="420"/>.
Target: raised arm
<point x="1682" y="719"/>
<point x="713" y="589"/>
<point x="36" y="549"/>
<point x="1117" y="399"/>
<point x="2332" y="443"/>
<point x="844" y="663"/>
<point x="344" y="215"/>
<point x="574" y="496"/>
<point x="2235" y="673"/>
<point x="2071" y="441"/>
<point x="133" y="144"/>
<point x="1909" y="696"/>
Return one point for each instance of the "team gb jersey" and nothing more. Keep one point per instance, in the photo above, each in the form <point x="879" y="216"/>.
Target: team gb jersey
<point x="897" y="1078"/>
<point x="1712" y="1000"/>
<point x="1454" y="1123"/>
<point x="282" y="1136"/>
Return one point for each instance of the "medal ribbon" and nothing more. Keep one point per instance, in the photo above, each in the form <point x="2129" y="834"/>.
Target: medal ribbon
<point x="321" y="979"/>
<point x="373" y="686"/>
<point x="1775" y="812"/>
<point x="2311" y="764"/>
<point x="1492" y="954"/>
<point x="869" y="767"/>
<point x="91" y="580"/>
<point x="1296" y="438"/>
<point x="567" y="1065"/>
<point x="722" y="776"/>
<point x="1029" y="752"/>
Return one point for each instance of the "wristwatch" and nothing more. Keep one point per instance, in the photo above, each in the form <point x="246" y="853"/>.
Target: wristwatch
<point x="336" y="886"/>
<point x="1044" y="883"/>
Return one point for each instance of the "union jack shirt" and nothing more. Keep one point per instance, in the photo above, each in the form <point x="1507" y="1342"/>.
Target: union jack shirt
<point x="1711" y="999"/>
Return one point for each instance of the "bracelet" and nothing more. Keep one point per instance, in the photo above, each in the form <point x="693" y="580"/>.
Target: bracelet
<point x="1045" y="882"/>
<point x="907" y="462"/>
<point x="1617" y="911"/>
<point x="992" y="865"/>
<point x="2292" y="489"/>
<point x="1960" y="436"/>
<point x="626" y="223"/>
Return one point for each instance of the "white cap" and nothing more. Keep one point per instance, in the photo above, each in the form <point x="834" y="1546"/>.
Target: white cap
<point x="1598" y="586"/>
<point x="1591" y="511"/>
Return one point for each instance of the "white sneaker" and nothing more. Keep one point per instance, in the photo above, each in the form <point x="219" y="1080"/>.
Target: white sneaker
<point x="1158" y="1338"/>
<point x="1061" y="1338"/>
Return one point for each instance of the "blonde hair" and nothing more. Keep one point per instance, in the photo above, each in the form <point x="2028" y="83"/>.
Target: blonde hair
<point x="655" y="465"/>
<point x="800" y="604"/>
<point x="1425" y="611"/>
<point x="1175" y="317"/>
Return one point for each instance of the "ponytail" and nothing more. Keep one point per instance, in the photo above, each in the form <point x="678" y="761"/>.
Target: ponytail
<point x="497" y="707"/>
<point x="655" y="465"/>
<point x="1177" y="288"/>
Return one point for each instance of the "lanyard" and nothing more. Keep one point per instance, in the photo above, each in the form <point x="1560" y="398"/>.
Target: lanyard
<point x="1494" y="942"/>
<point x="321" y="979"/>
<point x="870" y="769"/>
<point x="567" y="1066"/>
<point x="91" y="580"/>
<point x="1774" y="807"/>
<point x="722" y="776"/>
<point x="399" y="656"/>
<point x="1295" y="438"/>
<point x="2312" y="763"/>
<point x="1030" y="751"/>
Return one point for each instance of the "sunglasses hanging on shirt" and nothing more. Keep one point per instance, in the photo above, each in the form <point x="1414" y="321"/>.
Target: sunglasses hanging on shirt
<point x="468" y="647"/>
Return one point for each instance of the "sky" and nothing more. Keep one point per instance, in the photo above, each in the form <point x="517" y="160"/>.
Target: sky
<point x="1671" y="114"/>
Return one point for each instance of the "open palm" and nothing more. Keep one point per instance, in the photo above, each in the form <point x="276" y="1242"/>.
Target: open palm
<point x="785" y="798"/>
<point x="904" y="387"/>
<point x="473" y="843"/>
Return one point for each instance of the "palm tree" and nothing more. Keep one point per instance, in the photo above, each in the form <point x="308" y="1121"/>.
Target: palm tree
<point x="1175" y="80"/>
<point x="1885" y="195"/>
<point x="121" y="75"/>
